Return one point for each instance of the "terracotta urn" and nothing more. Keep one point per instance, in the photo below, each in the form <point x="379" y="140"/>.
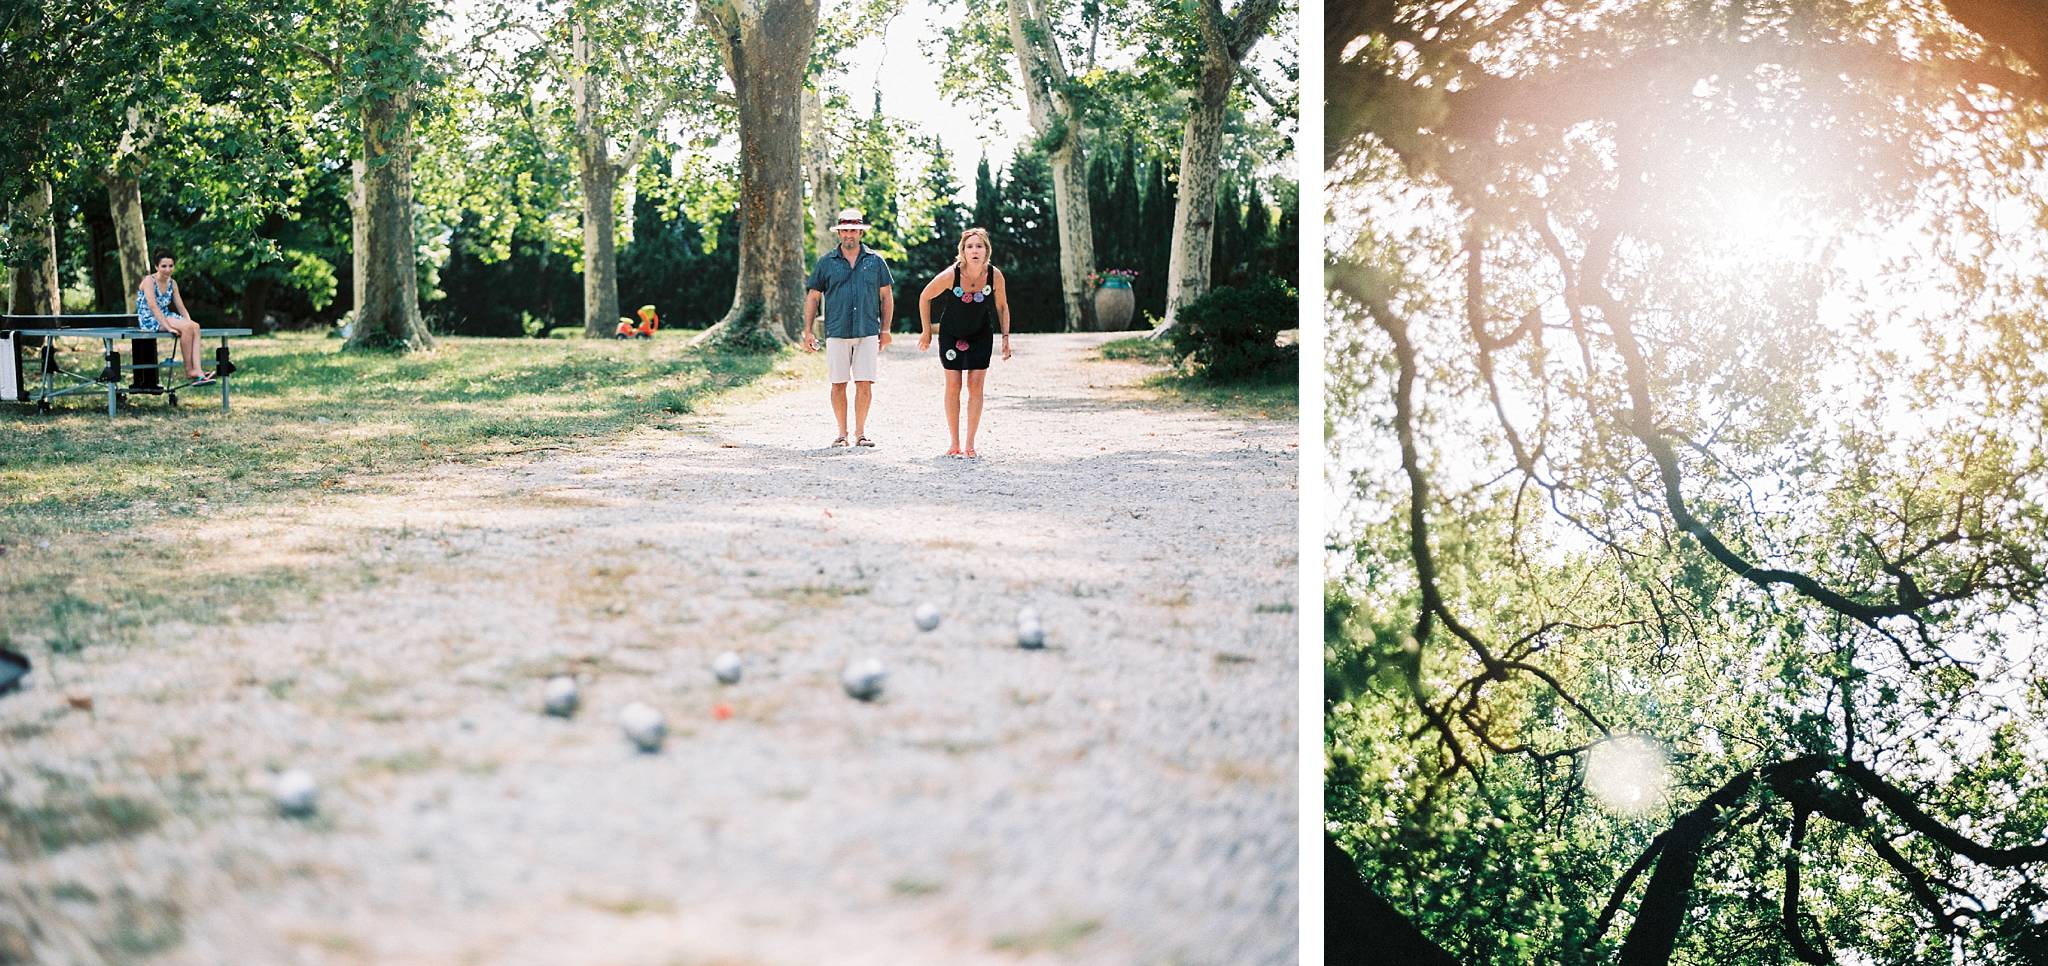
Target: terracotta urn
<point x="1114" y="304"/>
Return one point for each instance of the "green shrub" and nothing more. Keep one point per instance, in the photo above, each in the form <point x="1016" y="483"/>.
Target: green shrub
<point x="1230" y="333"/>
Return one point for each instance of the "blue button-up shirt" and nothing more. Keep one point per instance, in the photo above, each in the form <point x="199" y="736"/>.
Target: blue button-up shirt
<point x="853" y="292"/>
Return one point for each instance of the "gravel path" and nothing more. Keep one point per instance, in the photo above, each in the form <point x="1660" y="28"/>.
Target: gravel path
<point x="1126" y="796"/>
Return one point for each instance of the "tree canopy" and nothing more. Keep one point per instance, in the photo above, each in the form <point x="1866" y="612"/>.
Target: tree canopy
<point x="512" y="153"/>
<point x="1686" y="365"/>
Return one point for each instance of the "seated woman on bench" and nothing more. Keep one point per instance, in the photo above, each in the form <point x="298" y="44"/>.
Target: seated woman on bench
<point x="154" y="304"/>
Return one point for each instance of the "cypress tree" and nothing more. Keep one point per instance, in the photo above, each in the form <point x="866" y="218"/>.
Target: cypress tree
<point x="1258" y="237"/>
<point x="935" y="253"/>
<point x="988" y="199"/>
<point x="1228" y="239"/>
<point x="1154" y="240"/>
<point x="1101" y="175"/>
<point x="1123" y="211"/>
<point x="1028" y="245"/>
<point x="1287" y="236"/>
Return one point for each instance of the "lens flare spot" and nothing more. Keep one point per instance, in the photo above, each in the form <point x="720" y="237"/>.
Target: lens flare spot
<point x="1628" y="775"/>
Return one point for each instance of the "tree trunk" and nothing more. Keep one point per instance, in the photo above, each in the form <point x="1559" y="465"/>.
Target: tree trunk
<point x="35" y="283"/>
<point x="600" y="250"/>
<point x="599" y="181"/>
<point x="256" y="302"/>
<point x="766" y="45"/>
<point x="1361" y="928"/>
<point x="124" y="200"/>
<point x="1225" y="43"/>
<point x="1056" y="121"/>
<point x="1662" y="910"/>
<point x="103" y="258"/>
<point x="824" y="175"/>
<point x="2016" y="25"/>
<point x="359" y="218"/>
<point x="131" y="235"/>
<point x="388" y="316"/>
<point x="1194" y="215"/>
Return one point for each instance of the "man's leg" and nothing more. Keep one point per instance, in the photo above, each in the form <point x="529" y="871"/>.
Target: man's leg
<point x="839" y="405"/>
<point x="863" y="365"/>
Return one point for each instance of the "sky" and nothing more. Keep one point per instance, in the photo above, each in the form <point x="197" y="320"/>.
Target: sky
<point x="903" y="63"/>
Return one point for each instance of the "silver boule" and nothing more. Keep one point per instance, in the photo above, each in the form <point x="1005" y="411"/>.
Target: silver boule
<point x="1030" y="636"/>
<point x="927" y="616"/>
<point x="1027" y="617"/>
<point x="863" y="679"/>
<point x="559" y="696"/>
<point x="643" y="726"/>
<point x="295" y="793"/>
<point x="726" y="667"/>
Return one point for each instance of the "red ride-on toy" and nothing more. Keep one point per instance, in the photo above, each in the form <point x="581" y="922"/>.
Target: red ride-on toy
<point x="649" y="321"/>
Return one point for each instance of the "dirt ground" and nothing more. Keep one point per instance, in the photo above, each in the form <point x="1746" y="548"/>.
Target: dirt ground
<point x="1126" y="795"/>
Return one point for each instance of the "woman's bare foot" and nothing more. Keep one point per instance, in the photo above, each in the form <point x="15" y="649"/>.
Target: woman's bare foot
<point x="969" y="453"/>
<point x="955" y="451"/>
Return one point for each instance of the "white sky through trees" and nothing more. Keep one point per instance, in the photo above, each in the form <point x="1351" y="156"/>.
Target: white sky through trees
<point x="903" y="62"/>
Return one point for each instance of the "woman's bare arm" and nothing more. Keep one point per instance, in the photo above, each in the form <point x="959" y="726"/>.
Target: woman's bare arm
<point x="1002" y="308"/>
<point x="924" y="301"/>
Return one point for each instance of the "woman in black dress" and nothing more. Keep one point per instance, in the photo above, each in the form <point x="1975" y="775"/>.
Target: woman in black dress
<point x="973" y="306"/>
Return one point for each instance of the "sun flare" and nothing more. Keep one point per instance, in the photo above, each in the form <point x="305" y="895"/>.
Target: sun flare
<point x="1628" y="775"/>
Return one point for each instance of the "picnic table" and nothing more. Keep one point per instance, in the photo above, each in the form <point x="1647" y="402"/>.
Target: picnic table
<point x="53" y="381"/>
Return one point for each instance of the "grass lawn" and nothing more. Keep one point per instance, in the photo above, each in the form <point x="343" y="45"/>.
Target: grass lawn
<point x="76" y="486"/>
<point x="1274" y="397"/>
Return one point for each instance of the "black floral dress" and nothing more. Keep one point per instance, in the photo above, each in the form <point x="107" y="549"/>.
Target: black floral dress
<point x="967" y="323"/>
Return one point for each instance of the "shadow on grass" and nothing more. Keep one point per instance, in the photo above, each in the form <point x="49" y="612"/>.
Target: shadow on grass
<point x="1272" y="395"/>
<point x="80" y="488"/>
<point x="307" y="415"/>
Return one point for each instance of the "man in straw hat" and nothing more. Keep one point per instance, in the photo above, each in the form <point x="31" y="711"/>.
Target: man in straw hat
<point x="852" y="283"/>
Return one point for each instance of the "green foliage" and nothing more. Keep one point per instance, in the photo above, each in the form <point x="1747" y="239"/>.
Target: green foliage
<point x="1230" y="333"/>
<point x="1534" y="366"/>
<point x="684" y="268"/>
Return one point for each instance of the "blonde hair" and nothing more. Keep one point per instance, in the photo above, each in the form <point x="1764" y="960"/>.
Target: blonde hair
<point x="960" y="250"/>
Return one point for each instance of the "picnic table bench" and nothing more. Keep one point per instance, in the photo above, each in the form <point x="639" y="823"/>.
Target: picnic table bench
<point x="53" y="381"/>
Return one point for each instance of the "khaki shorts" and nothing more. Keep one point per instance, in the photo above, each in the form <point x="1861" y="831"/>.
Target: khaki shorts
<point x="853" y="358"/>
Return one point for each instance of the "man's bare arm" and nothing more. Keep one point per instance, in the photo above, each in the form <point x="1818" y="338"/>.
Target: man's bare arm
<point x="812" y="298"/>
<point x="888" y="310"/>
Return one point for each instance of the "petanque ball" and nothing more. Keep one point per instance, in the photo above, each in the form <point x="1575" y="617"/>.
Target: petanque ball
<point x="927" y="617"/>
<point x="295" y="793"/>
<point x="863" y="679"/>
<point x="1030" y="636"/>
<point x="643" y="726"/>
<point x="727" y="668"/>
<point x="559" y="696"/>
